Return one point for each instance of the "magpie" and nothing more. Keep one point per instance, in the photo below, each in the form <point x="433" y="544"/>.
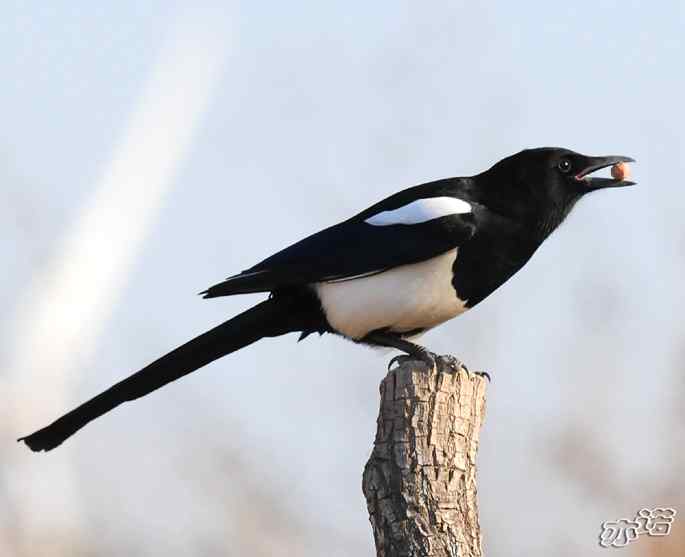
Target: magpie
<point x="386" y="275"/>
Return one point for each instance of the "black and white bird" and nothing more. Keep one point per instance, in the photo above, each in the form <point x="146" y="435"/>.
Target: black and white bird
<point x="395" y="270"/>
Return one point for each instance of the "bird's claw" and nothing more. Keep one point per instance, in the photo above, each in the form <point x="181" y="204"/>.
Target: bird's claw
<point x="483" y="374"/>
<point x="426" y="357"/>
<point x="455" y="364"/>
<point x="399" y="360"/>
<point x="429" y="359"/>
<point x="452" y="363"/>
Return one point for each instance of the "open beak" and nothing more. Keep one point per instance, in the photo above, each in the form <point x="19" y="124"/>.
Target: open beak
<point x="597" y="163"/>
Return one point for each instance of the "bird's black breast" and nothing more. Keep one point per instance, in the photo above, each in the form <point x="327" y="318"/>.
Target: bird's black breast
<point x="498" y="249"/>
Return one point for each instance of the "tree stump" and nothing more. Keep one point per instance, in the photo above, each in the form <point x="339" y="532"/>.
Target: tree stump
<point x="420" y="481"/>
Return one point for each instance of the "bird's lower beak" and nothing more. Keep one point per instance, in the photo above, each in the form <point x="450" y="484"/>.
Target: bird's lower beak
<point x="597" y="163"/>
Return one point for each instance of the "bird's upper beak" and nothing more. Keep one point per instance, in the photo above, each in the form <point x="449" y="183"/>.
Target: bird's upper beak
<point x="592" y="164"/>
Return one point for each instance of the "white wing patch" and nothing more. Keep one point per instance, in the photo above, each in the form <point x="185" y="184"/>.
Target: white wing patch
<point x="421" y="210"/>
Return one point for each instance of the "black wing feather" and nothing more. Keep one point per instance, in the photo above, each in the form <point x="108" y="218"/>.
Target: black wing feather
<point x="349" y="249"/>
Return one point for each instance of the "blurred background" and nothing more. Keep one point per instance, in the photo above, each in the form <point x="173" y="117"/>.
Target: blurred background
<point x="151" y="149"/>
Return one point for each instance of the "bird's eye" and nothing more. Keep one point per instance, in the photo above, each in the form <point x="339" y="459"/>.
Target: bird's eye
<point x="564" y="165"/>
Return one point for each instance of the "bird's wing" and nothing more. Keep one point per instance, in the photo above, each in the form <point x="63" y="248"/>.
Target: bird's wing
<point x="394" y="232"/>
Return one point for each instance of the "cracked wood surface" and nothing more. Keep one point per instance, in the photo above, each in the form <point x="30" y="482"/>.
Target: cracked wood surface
<point x="420" y="481"/>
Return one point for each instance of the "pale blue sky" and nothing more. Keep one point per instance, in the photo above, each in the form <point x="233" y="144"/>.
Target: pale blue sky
<point x="320" y="110"/>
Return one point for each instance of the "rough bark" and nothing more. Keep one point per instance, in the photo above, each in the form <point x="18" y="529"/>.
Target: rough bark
<point x="420" y="481"/>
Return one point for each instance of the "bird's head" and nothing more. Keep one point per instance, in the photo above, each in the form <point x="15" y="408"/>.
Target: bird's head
<point x="546" y="182"/>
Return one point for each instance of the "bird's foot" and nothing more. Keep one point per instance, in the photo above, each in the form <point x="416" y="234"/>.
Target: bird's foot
<point x="423" y="355"/>
<point x="449" y="361"/>
<point x="427" y="357"/>
<point x="455" y="365"/>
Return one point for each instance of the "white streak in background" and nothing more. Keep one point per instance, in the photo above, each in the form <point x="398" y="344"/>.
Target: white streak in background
<point x="69" y="304"/>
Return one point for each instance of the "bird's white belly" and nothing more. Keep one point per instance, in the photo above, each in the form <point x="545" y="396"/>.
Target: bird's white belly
<point x="409" y="297"/>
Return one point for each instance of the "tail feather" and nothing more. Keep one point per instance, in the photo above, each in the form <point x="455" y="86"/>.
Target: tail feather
<point x="272" y="317"/>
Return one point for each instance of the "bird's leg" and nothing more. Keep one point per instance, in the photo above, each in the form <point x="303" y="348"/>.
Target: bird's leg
<point x="389" y="340"/>
<point x="416" y="351"/>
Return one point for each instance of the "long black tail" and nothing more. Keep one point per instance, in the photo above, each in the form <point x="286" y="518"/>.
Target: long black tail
<point x="273" y="317"/>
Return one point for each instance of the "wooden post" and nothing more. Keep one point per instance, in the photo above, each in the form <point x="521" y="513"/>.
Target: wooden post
<point x="420" y="481"/>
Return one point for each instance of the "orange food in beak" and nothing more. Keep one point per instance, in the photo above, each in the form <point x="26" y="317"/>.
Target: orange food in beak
<point x="620" y="171"/>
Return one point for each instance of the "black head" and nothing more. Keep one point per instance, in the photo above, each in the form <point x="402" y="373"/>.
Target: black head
<point x="544" y="184"/>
